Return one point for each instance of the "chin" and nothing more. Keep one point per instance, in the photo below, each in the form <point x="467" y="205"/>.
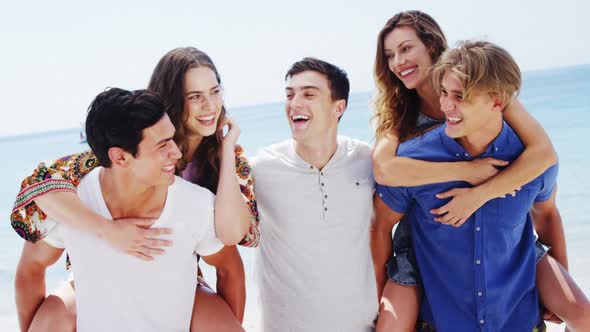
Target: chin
<point x="296" y="137"/>
<point x="410" y="85"/>
<point x="207" y="132"/>
<point x="452" y="133"/>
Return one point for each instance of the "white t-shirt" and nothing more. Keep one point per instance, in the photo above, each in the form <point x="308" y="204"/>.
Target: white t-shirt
<point x="314" y="268"/>
<point x="118" y="292"/>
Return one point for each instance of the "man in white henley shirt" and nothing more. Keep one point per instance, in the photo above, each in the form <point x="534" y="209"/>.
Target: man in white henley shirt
<point x="314" y="195"/>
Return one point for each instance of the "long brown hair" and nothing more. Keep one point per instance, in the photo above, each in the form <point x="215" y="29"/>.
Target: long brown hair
<point x="168" y="81"/>
<point x="396" y="107"/>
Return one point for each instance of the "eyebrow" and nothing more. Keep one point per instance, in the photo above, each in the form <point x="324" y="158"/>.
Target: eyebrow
<point x="459" y="92"/>
<point x="192" y="92"/>
<point x="398" y="46"/>
<point x="305" y="87"/>
<point x="164" y="140"/>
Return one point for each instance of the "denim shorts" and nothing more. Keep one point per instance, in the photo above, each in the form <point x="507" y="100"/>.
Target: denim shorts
<point x="424" y="327"/>
<point x="402" y="267"/>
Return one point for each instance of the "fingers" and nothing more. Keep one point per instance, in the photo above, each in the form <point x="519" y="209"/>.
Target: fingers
<point x="148" y="251"/>
<point x="451" y="220"/>
<point x="229" y="122"/>
<point x="226" y="121"/>
<point x="512" y="193"/>
<point x="145" y="253"/>
<point x="447" y="194"/>
<point x="441" y="210"/>
<point x="496" y="162"/>
<point x="459" y="222"/>
<point x="445" y="219"/>
<point x="142" y="222"/>
<point x="152" y="232"/>
<point x="154" y="243"/>
<point x="233" y="130"/>
<point x="140" y="255"/>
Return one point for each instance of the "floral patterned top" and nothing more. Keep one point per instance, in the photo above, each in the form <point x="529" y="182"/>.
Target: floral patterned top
<point x="65" y="174"/>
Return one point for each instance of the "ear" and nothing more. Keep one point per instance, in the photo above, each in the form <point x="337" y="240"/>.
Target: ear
<point x="498" y="105"/>
<point x="119" y="156"/>
<point x="340" y="108"/>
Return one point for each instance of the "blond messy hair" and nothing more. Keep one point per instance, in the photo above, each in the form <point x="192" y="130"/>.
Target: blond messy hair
<point x="482" y="66"/>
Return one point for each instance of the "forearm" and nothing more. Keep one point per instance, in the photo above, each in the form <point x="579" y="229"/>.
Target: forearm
<point x="536" y="158"/>
<point x="381" y="249"/>
<point x="232" y="216"/>
<point x="231" y="286"/>
<point x="529" y="165"/>
<point x="67" y="208"/>
<point x="408" y="172"/>
<point x="29" y="295"/>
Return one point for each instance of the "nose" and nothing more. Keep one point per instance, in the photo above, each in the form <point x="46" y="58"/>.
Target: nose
<point x="206" y="102"/>
<point x="175" y="152"/>
<point x="295" y="101"/>
<point x="446" y="105"/>
<point x="396" y="62"/>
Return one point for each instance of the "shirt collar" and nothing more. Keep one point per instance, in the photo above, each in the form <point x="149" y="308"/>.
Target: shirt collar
<point x="457" y="150"/>
<point x="341" y="149"/>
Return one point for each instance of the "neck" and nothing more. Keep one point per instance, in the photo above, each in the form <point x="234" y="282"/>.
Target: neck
<point x="429" y="101"/>
<point x="193" y="143"/>
<point x="477" y="143"/>
<point x="317" y="153"/>
<point x="126" y="197"/>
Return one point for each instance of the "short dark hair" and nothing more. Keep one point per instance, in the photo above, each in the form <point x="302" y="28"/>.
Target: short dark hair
<point x="337" y="78"/>
<point x="117" y="118"/>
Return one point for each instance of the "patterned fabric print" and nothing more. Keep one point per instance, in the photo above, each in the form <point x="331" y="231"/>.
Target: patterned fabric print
<point x="243" y="171"/>
<point x="64" y="174"/>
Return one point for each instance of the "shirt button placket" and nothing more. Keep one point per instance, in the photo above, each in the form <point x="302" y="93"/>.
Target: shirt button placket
<point x="324" y="189"/>
<point x="479" y="270"/>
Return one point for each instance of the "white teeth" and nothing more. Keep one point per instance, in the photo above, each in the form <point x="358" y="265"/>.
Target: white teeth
<point x="168" y="168"/>
<point x="299" y="117"/>
<point x="453" y="119"/>
<point x="206" y="118"/>
<point x="408" y="71"/>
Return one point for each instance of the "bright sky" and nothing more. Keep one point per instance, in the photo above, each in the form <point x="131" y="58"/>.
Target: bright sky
<point x="57" y="55"/>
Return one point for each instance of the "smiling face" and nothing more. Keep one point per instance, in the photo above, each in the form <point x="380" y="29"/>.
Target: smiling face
<point x="311" y="112"/>
<point x="156" y="155"/>
<point x="467" y="117"/>
<point x="203" y="101"/>
<point x="407" y="56"/>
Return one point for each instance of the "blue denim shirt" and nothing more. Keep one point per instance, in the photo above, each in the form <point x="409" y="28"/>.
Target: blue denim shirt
<point x="479" y="276"/>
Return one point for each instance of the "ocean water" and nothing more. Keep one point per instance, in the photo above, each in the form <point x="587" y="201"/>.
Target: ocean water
<point x="558" y="98"/>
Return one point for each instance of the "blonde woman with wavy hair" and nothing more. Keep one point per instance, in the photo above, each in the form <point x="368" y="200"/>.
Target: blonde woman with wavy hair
<point x="406" y="105"/>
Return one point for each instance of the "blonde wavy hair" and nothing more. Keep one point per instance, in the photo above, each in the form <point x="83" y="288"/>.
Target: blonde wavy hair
<point x="396" y="107"/>
<point x="482" y="66"/>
